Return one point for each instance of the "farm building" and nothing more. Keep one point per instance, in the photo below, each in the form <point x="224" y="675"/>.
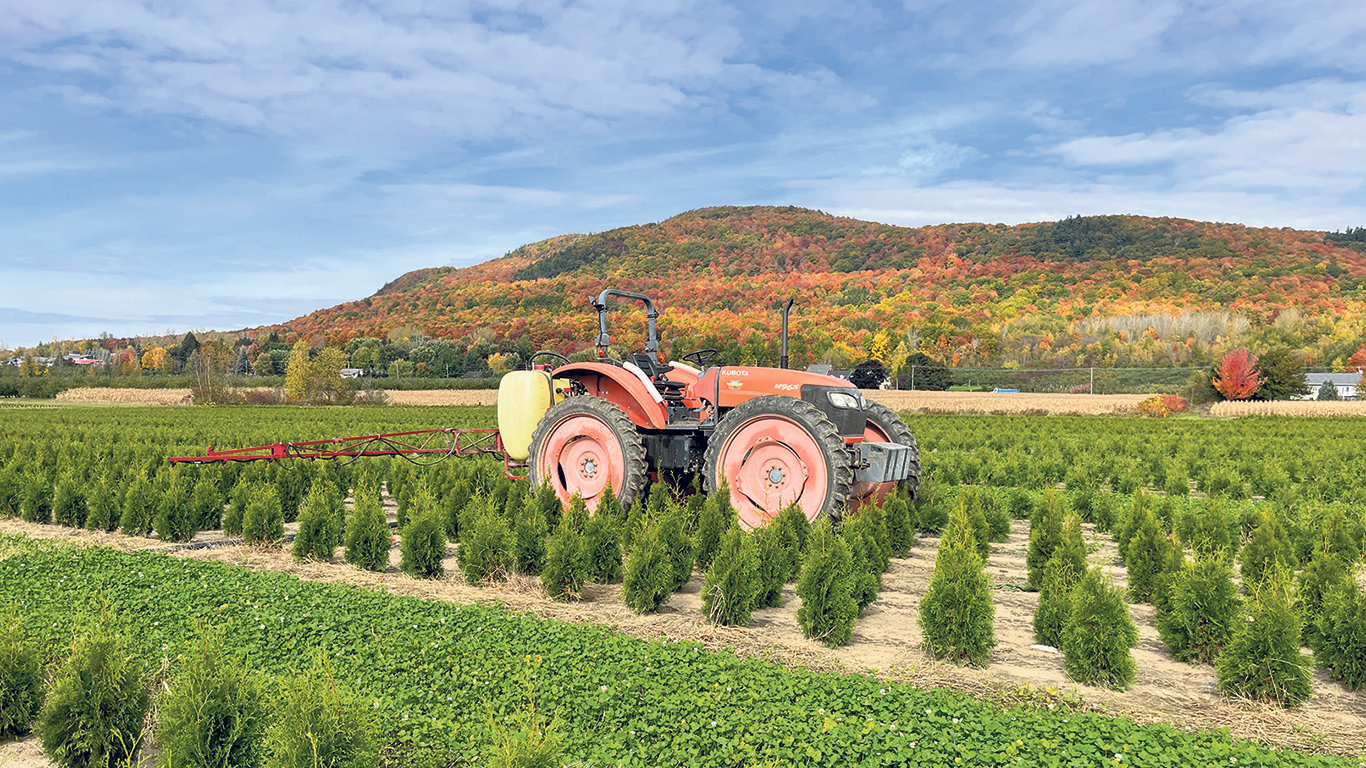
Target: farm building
<point x="1346" y="383"/>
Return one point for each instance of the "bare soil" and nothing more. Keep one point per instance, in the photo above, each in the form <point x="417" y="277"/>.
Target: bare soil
<point x="886" y="639"/>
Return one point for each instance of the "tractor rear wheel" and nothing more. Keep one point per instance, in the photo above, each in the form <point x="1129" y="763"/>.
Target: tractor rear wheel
<point x="885" y="426"/>
<point x="583" y="443"/>
<point x="774" y="451"/>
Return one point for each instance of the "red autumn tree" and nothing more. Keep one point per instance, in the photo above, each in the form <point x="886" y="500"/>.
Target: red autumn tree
<point x="1236" y="376"/>
<point x="1358" y="359"/>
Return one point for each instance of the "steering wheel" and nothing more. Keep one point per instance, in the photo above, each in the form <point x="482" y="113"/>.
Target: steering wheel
<point x="548" y="353"/>
<point x="701" y="357"/>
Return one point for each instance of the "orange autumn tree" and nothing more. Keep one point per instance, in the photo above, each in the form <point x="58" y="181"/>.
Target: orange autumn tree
<point x="1236" y="377"/>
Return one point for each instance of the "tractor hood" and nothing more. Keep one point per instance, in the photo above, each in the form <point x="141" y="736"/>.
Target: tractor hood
<point x="730" y="386"/>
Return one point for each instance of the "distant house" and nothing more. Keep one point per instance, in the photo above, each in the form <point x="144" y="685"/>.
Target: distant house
<point x="352" y="373"/>
<point x="1346" y="383"/>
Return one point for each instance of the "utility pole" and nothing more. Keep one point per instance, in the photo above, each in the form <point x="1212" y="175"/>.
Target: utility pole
<point x="1093" y="379"/>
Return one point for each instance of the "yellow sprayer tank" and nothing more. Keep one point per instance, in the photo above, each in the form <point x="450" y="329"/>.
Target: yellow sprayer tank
<point x="523" y="398"/>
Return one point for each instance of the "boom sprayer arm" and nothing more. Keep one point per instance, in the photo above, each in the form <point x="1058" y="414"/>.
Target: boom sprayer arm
<point x="605" y="339"/>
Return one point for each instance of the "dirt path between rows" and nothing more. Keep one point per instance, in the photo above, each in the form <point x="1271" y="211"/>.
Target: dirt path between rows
<point x="886" y="639"/>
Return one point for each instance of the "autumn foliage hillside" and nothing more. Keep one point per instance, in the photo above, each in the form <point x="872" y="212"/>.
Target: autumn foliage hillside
<point x="1104" y="290"/>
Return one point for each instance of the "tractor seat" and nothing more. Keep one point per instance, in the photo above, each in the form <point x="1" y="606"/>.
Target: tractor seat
<point x="656" y="373"/>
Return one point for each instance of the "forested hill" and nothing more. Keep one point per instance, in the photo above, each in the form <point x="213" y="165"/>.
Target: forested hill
<point x="1125" y="290"/>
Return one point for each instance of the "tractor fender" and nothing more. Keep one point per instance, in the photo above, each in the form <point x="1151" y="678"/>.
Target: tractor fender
<point x="623" y="388"/>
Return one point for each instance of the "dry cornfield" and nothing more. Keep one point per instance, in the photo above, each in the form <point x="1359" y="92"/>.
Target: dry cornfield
<point x="1008" y="402"/>
<point x="1289" y="408"/>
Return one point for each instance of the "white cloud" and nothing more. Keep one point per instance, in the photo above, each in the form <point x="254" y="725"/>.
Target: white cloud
<point x="1308" y="140"/>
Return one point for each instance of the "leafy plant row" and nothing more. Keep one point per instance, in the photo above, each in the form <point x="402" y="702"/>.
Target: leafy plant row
<point x="439" y="678"/>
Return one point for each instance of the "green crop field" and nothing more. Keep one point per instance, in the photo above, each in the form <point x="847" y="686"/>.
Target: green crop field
<point x="437" y="675"/>
<point x="441" y="678"/>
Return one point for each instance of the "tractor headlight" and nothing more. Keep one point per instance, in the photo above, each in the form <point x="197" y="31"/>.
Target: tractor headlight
<point x="845" y="400"/>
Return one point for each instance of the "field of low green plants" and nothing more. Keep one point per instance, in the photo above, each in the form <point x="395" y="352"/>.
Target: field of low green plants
<point x="438" y="678"/>
<point x="1269" y="515"/>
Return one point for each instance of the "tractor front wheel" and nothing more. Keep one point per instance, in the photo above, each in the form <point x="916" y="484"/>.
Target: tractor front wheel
<point x="582" y="444"/>
<point x="774" y="451"/>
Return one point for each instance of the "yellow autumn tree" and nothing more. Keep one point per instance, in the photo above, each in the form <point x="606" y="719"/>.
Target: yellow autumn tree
<point x="297" y="372"/>
<point x="156" y="359"/>
<point x="880" y="348"/>
<point x="325" y="383"/>
<point x="896" y="360"/>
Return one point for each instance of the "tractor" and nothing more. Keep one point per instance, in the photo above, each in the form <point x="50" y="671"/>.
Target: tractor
<point x="772" y="437"/>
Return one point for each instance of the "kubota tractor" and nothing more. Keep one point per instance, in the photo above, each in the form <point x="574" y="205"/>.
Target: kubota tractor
<point x="773" y="436"/>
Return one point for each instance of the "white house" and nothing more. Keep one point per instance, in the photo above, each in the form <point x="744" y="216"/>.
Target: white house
<point x="1346" y="383"/>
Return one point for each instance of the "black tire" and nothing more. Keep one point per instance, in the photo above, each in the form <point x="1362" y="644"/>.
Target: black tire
<point x="839" y="471"/>
<point x="895" y="429"/>
<point x="634" y="476"/>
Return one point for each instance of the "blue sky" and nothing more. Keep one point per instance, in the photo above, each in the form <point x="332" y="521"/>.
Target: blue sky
<point x="176" y="164"/>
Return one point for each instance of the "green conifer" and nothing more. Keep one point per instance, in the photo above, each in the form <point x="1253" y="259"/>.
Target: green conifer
<point x="718" y="517"/>
<point x="1139" y="508"/>
<point x="649" y="574"/>
<point x="957" y="614"/>
<point x="103" y="513"/>
<point x="486" y="546"/>
<point x="1263" y="660"/>
<point x="94" y="713"/>
<point x="1317" y="579"/>
<point x="566" y="563"/>
<point x="367" y="536"/>
<point x="1098" y="634"/>
<point x="1203" y="609"/>
<point x="214" y="711"/>
<point x="1211" y="535"/>
<point x="1055" y="599"/>
<point x="795" y="529"/>
<point x="602" y="542"/>
<point x="529" y="534"/>
<point x="21" y="678"/>
<point x="455" y="500"/>
<point x="237" y="506"/>
<point x="1269" y="550"/>
<point x="264" y="521"/>
<point x="900" y="526"/>
<point x="828" y="609"/>
<point x="36" y="504"/>
<point x="1341" y="638"/>
<point x="1149" y="554"/>
<point x="732" y="583"/>
<point x="771" y="566"/>
<point x="1045" y="535"/>
<point x="68" y="503"/>
<point x="176" y="519"/>
<point x="207" y="504"/>
<point x="136" y="517"/>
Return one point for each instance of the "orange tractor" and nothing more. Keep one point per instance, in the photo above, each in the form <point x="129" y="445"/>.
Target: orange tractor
<point x="773" y="436"/>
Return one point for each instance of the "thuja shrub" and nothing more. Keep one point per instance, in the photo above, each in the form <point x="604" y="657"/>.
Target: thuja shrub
<point x="1149" y="553"/>
<point x="828" y="609"/>
<point x="207" y="504"/>
<point x="423" y="545"/>
<point x="1139" y="508"/>
<point x="1262" y="661"/>
<point x="176" y="519"/>
<point x="35" y="506"/>
<point x="931" y="506"/>
<point x="549" y="505"/>
<point x="10" y="492"/>
<point x="770" y="566"/>
<point x="237" y="507"/>
<point x="676" y="545"/>
<point x="732" y="583"/>
<point x="136" y="516"/>
<point x="102" y="513"/>
<point x="1317" y="579"/>
<point x="1055" y="599"/>
<point x="1341" y="638"/>
<point x="900" y="526"/>
<point x="367" y="535"/>
<point x="957" y="615"/>
<point x="649" y="577"/>
<point x="1210" y="534"/>
<point x="1268" y="552"/>
<point x="1045" y="534"/>
<point x="602" y="547"/>
<point x="94" y="714"/>
<point x="529" y="535"/>
<point x="1203" y="606"/>
<point x="865" y="571"/>
<point x="21" y="678"/>
<point x="264" y="521"/>
<point x="486" y="546"/>
<point x="718" y="517"/>
<point x="1098" y="634"/>
<point x="566" y="563"/>
<point x="795" y="530"/>
<point x="214" y="711"/>
<point x="453" y="503"/>
<point x="68" y="503"/>
<point x="318" y="723"/>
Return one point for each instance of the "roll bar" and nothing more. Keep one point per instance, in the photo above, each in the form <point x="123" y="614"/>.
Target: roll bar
<point x="605" y="340"/>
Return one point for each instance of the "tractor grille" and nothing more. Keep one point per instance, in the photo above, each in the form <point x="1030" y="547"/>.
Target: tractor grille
<point x="882" y="462"/>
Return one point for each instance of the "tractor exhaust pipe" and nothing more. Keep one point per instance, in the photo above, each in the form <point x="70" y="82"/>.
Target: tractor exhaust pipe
<point x="782" y="358"/>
